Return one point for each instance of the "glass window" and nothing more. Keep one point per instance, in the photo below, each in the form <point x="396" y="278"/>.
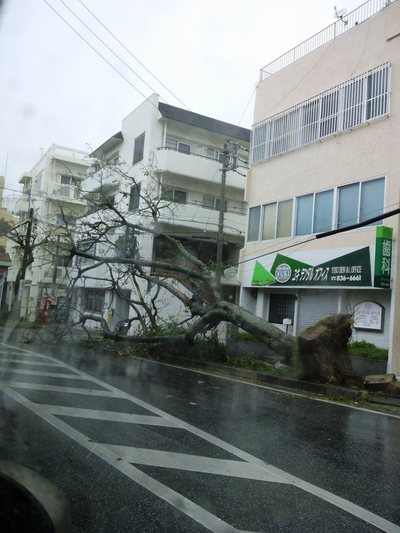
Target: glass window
<point x="170" y="143"/>
<point x="179" y="196"/>
<point x="254" y="224"/>
<point x="348" y="205"/>
<point x="134" y="197"/>
<point x="304" y="214"/>
<point x="284" y="220"/>
<point x="372" y="199"/>
<point x="184" y="148"/>
<point x="281" y="306"/>
<point x="94" y="300"/>
<point x="269" y="222"/>
<point x="138" y="149"/>
<point x="323" y="209"/>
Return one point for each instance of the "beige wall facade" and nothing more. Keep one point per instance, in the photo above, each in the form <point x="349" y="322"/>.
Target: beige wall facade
<point x="367" y="151"/>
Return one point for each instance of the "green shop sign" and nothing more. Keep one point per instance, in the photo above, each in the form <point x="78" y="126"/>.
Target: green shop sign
<point x="383" y="257"/>
<point x="350" y="270"/>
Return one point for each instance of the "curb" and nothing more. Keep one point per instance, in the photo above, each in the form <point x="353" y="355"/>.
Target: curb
<point x="323" y="389"/>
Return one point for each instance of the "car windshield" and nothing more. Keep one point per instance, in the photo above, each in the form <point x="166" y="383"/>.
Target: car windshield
<point x="198" y="266"/>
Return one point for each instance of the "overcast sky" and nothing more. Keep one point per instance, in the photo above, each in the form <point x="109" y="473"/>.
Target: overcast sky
<point x="55" y="89"/>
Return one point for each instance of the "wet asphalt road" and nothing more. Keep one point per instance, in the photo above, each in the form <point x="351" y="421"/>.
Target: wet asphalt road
<point x="140" y="446"/>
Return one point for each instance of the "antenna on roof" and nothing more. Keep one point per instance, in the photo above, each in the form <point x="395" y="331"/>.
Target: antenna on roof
<point x="339" y="14"/>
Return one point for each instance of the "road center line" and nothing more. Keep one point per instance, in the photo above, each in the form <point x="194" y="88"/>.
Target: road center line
<point x="346" y="505"/>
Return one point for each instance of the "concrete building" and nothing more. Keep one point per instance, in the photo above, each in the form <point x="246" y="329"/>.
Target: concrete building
<point x="325" y="156"/>
<point x="173" y="156"/>
<point x="6" y="221"/>
<point x="53" y="189"/>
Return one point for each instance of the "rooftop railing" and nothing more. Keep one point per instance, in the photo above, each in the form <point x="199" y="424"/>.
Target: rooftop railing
<point x="342" y="25"/>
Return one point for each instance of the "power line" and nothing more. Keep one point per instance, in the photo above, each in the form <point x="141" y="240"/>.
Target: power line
<point x="131" y="54"/>
<point x="95" y="49"/>
<point x="106" y="45"/>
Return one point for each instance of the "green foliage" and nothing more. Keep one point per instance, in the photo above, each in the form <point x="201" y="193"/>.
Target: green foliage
<point x="368" y="349"/>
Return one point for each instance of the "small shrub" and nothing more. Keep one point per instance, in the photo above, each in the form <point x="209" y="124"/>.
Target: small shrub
<point x="368" y="349"/>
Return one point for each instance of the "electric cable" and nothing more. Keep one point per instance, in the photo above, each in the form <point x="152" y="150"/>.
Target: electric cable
<point x="132" y="55"/>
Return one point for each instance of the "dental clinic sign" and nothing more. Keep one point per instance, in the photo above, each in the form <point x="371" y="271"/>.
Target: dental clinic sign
<point x="383" y="257"/>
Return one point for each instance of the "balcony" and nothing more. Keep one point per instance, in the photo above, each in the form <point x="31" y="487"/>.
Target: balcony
<point x="342" y="25"/>
<point x="199" y="219"/>
<point x="196" y="166"/>
<point x="65" y="193"/>
<point x="21" y="205"/>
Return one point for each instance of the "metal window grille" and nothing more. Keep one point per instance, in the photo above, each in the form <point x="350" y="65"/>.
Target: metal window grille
<point x="354" y="102"/>
<point x="281" y="306"/>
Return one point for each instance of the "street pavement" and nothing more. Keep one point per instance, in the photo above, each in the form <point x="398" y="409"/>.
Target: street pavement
<point x="141" y="446"/>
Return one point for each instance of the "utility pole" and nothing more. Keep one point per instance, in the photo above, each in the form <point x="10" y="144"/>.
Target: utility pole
<point x="54" y="279"/>
<point x="227" y="164"/>
<point x="27" y="244"/>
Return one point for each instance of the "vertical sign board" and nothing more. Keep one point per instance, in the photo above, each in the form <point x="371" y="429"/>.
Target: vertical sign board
<point x="383" y="257"/>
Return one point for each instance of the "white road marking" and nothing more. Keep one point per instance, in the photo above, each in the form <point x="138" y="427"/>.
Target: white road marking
<point x="186" y="506"/>
<point x="56" y="388"/>
<point x="194" y="463"/>
<point x="30" y="363"/>
<point x="40" y="373"/>
<point x="346" y="505"/>
<point x="94" y="414"/>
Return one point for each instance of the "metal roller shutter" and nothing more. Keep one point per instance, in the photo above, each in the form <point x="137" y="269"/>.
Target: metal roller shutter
<point x="314" y="305"/>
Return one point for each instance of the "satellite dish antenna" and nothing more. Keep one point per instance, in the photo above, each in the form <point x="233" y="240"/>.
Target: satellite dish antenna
<point x="340" y="13"/>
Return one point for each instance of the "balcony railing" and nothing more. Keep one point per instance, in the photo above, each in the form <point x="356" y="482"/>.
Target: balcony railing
<point x="342" y="25"/>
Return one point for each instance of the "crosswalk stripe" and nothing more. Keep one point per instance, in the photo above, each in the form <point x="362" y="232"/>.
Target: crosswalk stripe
<point x="5" y="368"/>
<point x="183" y="504"/>
<point x="194" y="463"/>
<point x="23" y="362"/>
<point x="56" y="388"/>
<point x="94" y="414"/>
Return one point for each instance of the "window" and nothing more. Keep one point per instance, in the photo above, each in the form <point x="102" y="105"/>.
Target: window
<point x="254" y="224"/>
<point x="65" y="220"/>
<point x="211" y="202"/>
<point x="362" y="98"/>
<point x="269" y="222"/>
<point x="134" y="198"/>
<point x="277" y="220"/>
<point x="174" y="144"/>
<point x="138" y="149"/>
<point x="372" y="199"/>
<point x="94" y="300"/>
<point x="281" y="306"/>
<point x="63" y="261"/>
<point x="304" y="214"/>
<point x="360" y="201"/>
<point x="88" y="246"/>
<point x="323" y="210"/>
<point x="68" y="180"/>
<point x="174" y="195"/>
<point x="314" y="213"/>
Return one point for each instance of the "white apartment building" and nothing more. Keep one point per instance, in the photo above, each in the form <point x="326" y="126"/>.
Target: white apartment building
<point x="53" y="189"/>
<point x="325" y="156"/>
<point x="174" y="155"/>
